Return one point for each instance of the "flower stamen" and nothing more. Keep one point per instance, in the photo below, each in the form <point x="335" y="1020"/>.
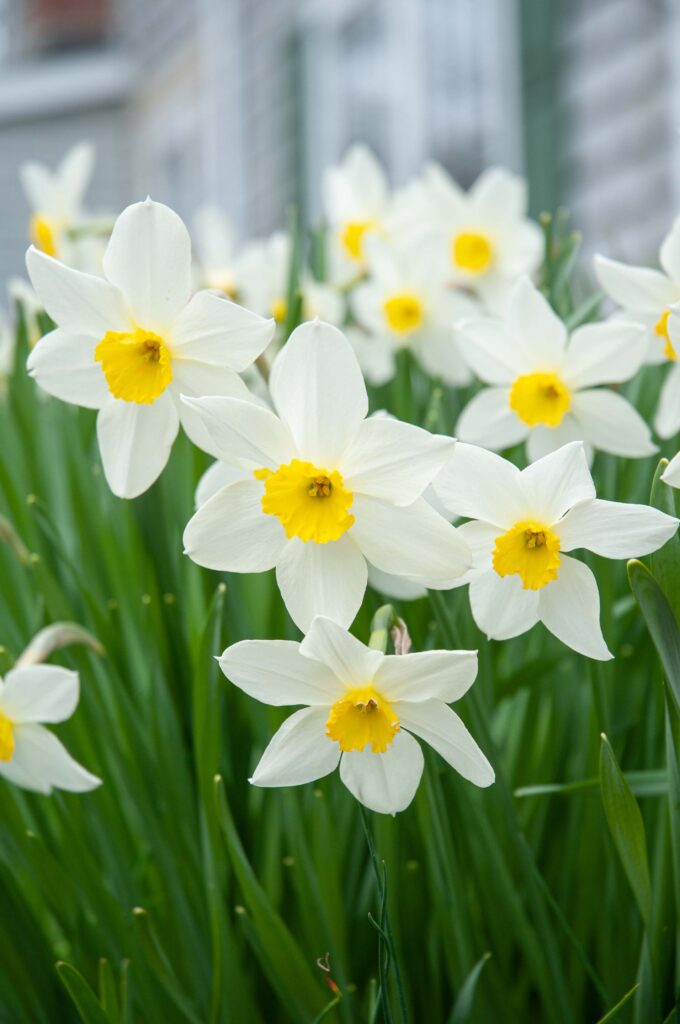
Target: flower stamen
<point x="540" y="398"/>
<point x="529" y="550"/>
<point x="137" y="365"/>
<point x="361" y="717"/>
<point x="310" y="503"/>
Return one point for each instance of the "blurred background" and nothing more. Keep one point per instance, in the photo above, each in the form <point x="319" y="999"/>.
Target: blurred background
<point x="244" y="102"/>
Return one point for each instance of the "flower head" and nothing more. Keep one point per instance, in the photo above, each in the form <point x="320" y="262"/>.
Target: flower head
<point x="523" y="524"/>
<point x="362" y="711"/>
<point x="56" y="199"/>
<point x="356" y="201"/>
<point x="30" y="755"/>
<point x="129" y="343"/>
<point x="542" y="381"/>
<point x="328" y="491"/>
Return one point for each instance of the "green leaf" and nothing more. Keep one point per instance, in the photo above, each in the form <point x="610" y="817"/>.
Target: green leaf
<point x="462" y="1010"/>
<point x="626" y="827"/>
<point x="660" y="620"/>
<point x="619" y="1006"/>
<point x="83" y="998"/>
<point x="665" y="563"/>
<point x="646" y="783"/>
<point x="107" y="989"/>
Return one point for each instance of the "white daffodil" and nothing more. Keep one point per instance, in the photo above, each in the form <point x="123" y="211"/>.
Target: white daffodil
<point x="130" y="343"/>
<point x="484" y="237"/>
<point x="406" y="302"/>
<point x="216" y="251"/>
<point x="329" y="489"/>
<point x="524" y="523"/>
<point x="356" y="203"/>
<point x="30" y="755"/>
<point x="264" y="275"/>
<point x="363" y="710"/>
<point x="543" y="381"/>
<point x="56" y="199"/>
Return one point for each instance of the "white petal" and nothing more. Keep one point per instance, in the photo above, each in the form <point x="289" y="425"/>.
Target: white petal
<point x="38" y="183"/>
<point x="299" y="752"/>
<point x="275" y="672"/>
<point x="196" y="380"/>
<point x="667" y="419"/>
<point x="440" y="727"/>
<point x="40" y="693"/>
<point x="438" y="675"/>
<point x="398" y="588"/>
<point x="319" y="392"/>
<point x="481" y="539"/>
<point x="80" y="303"/>
<point x="44" y="758"/>
<point x="74" y="175"/>
<point x="488" y="420"/>
<point x="531" y="318"/>
<point x="211" y="329"/>
<point x="489" y="349"/>
<point x="499" y="194"/>
<point x="232" y="533"/>
<point x="63" y="364"/>
<point x="556" y="482"/>
<point x="501" y="607"/>
<point x="19" y="776"/>
<point x="243" y="433"/>
<point x="412" y="541"/>
<point x="544" y="440"/>
<point x="135" y="442"/>
<point x="478" y="484"/>
<point x="611" y="424"/>
<point x="216" y="477"/>
<point x="671" y="474"/>
<point x="393" y="461"/>
<point x="149" y="258"/>
<point x="669" y="253"/>
<point x="570" y="608"/>
<point x="637" y="288"/>
<point x="351" y="662"/>
<point x="322" y="579"/>
<point x="387" y="782"/>
<point x="606" y="353"/>
<point x="615" y="529"/>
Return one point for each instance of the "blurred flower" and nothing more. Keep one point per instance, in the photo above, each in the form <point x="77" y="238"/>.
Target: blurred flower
<point x="56" y="199"/>
<point x="216" y="251"/>
<point x="330" y="490"/>
<point x="542" y="380"/>
<point x="522" y="525"/>
<point x="130" y="343"/>
<point x="30" y="755"/>
<point x="406" y="302"/>
<point x="362" y="711"/>
<point x="21" y="294"/>
<point x="356" y="202"/>
<point x="484" y="237"/>
<point x="7" y="350"/>
<point x="671" y="474"/>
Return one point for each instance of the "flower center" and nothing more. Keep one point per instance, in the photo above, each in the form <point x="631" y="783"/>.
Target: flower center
<point x="403" y="313"/>
<point x="472" y="252"/>
<point x="362" y="716"/>
<point x="530" y="550"/>
<point x="43" y="234"/>
<point x="6" y="739"/>
<point x="310" y="503"/>
<point x="352" y="238"/>
<point x="540" y="398"/>
<point x="661" y="329"/>
<point x="137" y="365"/>
<point x="279" y="310"/>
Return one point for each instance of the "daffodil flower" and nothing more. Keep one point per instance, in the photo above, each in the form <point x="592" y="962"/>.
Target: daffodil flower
<point x="30" y="755"/>
<point x="484" y="236"/>
<point x="329" y="490"/>
<point x="129" y="343"/>
<point x="543" y="382"/>
<point x="523" y="526"/>
<point x="56" y="199"/>
<point x="406" y="303"/>
<point x="362" y="712"/>
<point x="356" y="202"/>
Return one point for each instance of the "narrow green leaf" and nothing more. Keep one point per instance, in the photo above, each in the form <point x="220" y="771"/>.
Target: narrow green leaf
<point x="660" y="620"/>
<point x="665" y="563"/>
<point x="626" y="827"/>
<point x="619" y="1006"/>
<point x="83" y="998"/>
<point x="645" y="783"/>
<point x="462" y="1010"/>
<point x="107" y="989"/>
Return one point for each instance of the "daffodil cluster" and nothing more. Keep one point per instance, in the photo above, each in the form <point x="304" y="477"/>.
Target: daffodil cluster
<point x="262" y="356"/>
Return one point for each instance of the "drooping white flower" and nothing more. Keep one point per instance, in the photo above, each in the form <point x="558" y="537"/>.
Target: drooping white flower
<point x="30" y="755"/>
<point x="362" y="711"/>
<point x="484" y="237"/>
<point x="56" y="200"/>
<point x="406" y="303"/>
<point x="356" y="203"/>
<point x="216" y="251"/>
<point x="329" y="490"/>
<point x="544" y="382"/>
<point x="523" y="524"/>
<point x="130" y="343"/>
